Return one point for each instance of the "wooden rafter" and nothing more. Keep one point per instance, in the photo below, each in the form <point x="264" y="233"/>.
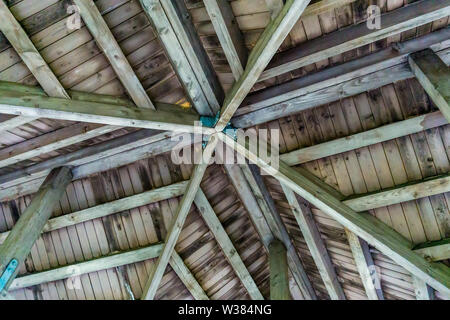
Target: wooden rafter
<point x="316" y="246"/>
<point x="105" y="39"/>
<point x="224" y="241"/>
<point x="268" y="43"/>
<point x="19" y="241"/>
<point x="18" y="38"/>
<point x="273" y="218"/>
<point x="362" y="224"/>
<point x="434" y="76"/>
<point x="279" y="282"/>
<point x="356" y="36"/>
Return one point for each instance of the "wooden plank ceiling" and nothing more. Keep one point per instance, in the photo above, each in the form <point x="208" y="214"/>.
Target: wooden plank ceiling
<point x="80" y="66"/>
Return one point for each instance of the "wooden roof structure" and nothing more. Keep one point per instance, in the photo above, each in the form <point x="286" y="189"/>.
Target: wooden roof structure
<point x="93" y="207"/>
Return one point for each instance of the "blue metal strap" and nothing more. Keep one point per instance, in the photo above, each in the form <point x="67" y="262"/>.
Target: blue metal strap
<point x="8" y="273"/>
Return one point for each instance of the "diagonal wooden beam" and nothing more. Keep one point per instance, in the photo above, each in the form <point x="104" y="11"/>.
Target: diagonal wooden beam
<point x="344" y="80"/>
<point x="18" y="38"/>
<point x="183" y="209"/>
<point x="268" y="43"/>
<point x="434" y="76"/>
<point x="363" y="225"/>
<point x="106" y="41"/>
<point x="356" y="36"/>
<point x="18" y="244"/>
<point x="184" y="49"/>
<point x="224" y="241"/>
<point x="229" y="34"/>
<point x="313" y="239"/>
<point x="113" y="260"/>
<point x="366" y="267"/>
<point x="278" y="228"/>
<point x="422" y="290"/>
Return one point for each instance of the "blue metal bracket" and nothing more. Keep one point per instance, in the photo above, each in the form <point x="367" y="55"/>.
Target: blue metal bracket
<point x="210" y="122"/>
<point x="8" y="273"/>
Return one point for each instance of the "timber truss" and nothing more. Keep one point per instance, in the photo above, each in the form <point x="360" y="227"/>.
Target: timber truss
<point x="425" y="58"/>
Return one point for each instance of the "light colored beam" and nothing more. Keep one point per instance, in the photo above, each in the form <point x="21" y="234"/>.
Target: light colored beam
<point x="185" y="51"/>
<point x="279" y="282"/>
<point x="365" y="265"/>
<point x="113" y="260"/>
<point x="356" y="36"/>
<point x="168" y="117"/>
<point x="434" y="250"/>
<point x="422" y="290"/>
<point x="268" y="43"/>
<point x="109" y="208"/>
<point x="398" y="194"/>
<point x="106" y="41"/>
<point x="363" y="225"/>
<point x="224" y="241"/>
<point x="229" y="34"/>
<point x="173" y="233"/>
<point x="316" y="246"/>
<point x="364" y="139"/>
<point x="18" y="38"/>
<point x="434" y="76"/>
<point x="18" y="244"/>
<point x="278" y="228"/>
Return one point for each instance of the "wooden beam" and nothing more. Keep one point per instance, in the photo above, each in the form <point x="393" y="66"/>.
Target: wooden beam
<point x="279" y="282"/>
<point x="229" y="35"/>
<point x="183" y="209"/>
<point x="422" y="290"/>
<point x="364" y="225"/>
<point x="187" y="277"/>
<point x="366" y="267"/>
<point x="268" y="43"/>
<point x="316" y="246"/>
<point x="344" y="80"/>
<point x="51" y="141"/>
<point x="434" y="250"/>
<point x="363" y="139"/>
<point x="434" y="76"/>
<point x="18" y="38"/>
<point x="278" y="228"/>
<point x="168" y="117"/>
<point x="410" y="191"/>
<point x="113" y="260"/>
<point x="185" y="51"/>
<point x="356" y="36"/>
<point x="109" y="208"/>
<point x="18" y="244"/>
<point x="224" y="241"/>
<point x="106" y="41"/>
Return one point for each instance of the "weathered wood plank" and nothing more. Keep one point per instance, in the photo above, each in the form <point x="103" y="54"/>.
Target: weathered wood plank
<point x="316" y="246"/>
<point x="109" y="208"/>
<point x="366" y="267"/>
<point x="30" y="224"/>
<point x="228" y="249"/>
<point x="176" y="35"/>
<point x="422" y="290"/>
<point x="183" y="209"/>
<point x="434" y="76"/>
<point x="434" y="250"/>
<point x="268" y="43"/>
<point x="363" y="225"/>
<point x="279" y="282"/>
<point x="229" y="35"/>
<point x="356" y="36"/>
<point x="278" y="228"/>
<point x="106" y="41"/>
<point x="168" y="117"/>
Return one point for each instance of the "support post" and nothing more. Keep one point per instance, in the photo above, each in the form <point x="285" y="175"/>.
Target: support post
<point x="18" y="244"/>
<point x="279" y="281"/>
